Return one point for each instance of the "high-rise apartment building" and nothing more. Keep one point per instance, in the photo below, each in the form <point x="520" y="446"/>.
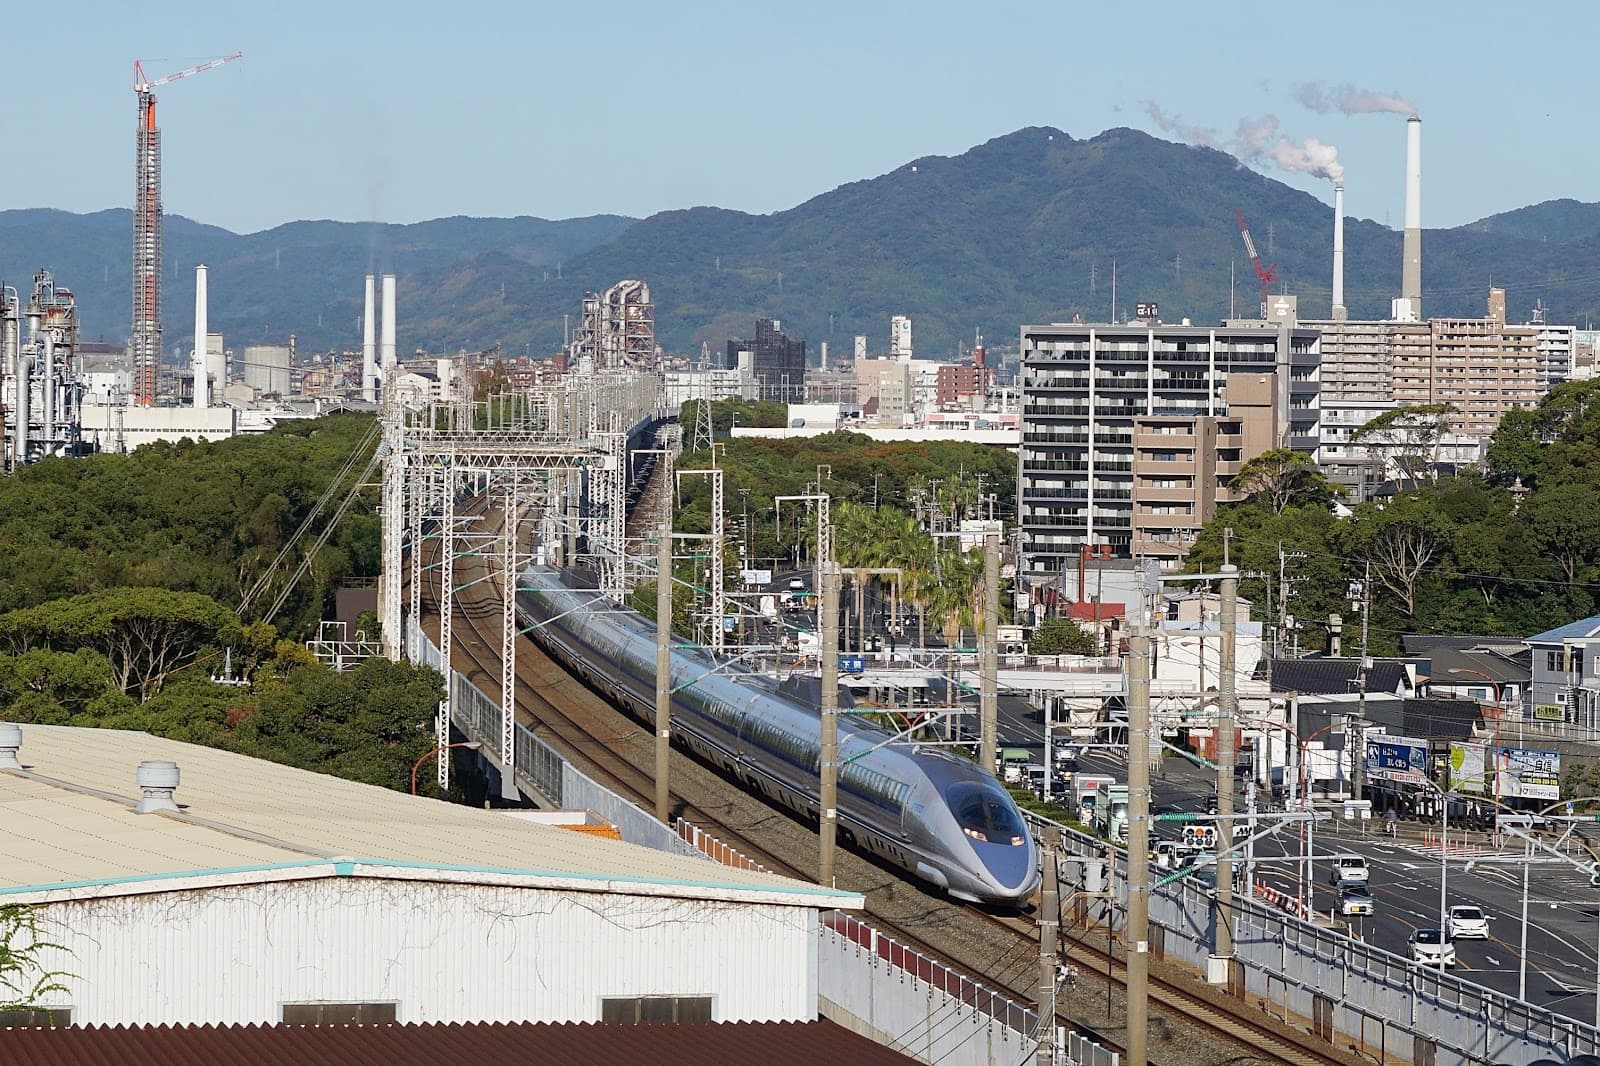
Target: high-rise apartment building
<point x="779" y="363"/>
<point x="1131" y="434"/>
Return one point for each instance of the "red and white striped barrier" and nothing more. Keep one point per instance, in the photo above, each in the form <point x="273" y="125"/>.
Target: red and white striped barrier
<point x="1282" y="900"/>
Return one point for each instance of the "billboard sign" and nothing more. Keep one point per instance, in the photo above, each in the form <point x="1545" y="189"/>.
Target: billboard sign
<point x="1396" y="758"/>
<point x="1523" y="773"/>
<point x="1549" y="712"/>
<point x="1468" y="773"/>
<point x="756" y="577"/>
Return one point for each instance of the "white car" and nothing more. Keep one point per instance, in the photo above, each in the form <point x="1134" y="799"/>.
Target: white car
<point x="1348" y="868"/>
<point x="1430" y="947"/>
<point x="1467" y="922"/>
<point x="1354" y="898"/>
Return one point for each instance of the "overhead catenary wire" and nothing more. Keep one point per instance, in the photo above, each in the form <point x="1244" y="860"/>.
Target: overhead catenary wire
<point x="317" y="508"/>
<point x="322" y="538"/>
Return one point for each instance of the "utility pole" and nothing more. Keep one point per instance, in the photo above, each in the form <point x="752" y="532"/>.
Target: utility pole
<point x="663" y="666"/>
<point x="1221" y="966"/>
<point x="1358" y="756"/>
<point x="989" y="691"/>
<point x="1049" y="922"/>
<point x="827" y="799"/>
<point x="1139" y="843"/>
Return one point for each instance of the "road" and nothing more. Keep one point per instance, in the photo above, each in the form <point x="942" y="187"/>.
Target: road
<point x="1563" y="933"/>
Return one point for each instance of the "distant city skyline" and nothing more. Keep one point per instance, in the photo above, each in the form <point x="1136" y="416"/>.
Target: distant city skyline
<point x="402" y="112"/>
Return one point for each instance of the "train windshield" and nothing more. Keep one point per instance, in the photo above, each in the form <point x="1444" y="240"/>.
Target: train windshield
<point x="985" y="814"/>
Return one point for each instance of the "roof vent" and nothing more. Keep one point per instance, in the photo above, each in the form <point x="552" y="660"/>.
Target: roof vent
<point x="10" y="744"/>
<point x="158" y="780"/>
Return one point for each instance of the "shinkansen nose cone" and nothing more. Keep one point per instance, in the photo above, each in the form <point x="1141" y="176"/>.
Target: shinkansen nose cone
<point x="995" y="832"/>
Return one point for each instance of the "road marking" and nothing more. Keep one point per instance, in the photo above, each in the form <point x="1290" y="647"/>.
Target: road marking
<point x="1410" y="866"/>
<point x="1492" y="961"/>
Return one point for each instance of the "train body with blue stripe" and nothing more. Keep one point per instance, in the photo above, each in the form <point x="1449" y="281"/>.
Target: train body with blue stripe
<point x="931" y="813"/>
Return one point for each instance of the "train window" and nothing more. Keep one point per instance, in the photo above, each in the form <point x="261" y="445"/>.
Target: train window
<point x="874" y="786"/>
<point x="984" y="814"/>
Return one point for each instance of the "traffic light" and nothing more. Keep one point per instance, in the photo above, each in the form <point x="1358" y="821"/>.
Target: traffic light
<point x="1594" y="875"/>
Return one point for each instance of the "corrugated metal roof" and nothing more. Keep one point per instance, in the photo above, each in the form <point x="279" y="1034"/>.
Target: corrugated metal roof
<point x="1329" y="675"/>
<point x="69" y="820"/>
<point x="1583" y="627"/>
<point x="723" y="1044"/>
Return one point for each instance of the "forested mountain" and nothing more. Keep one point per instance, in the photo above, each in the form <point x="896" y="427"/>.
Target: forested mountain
<point x="1026" y="227"/>
<point x="303" y="278"/>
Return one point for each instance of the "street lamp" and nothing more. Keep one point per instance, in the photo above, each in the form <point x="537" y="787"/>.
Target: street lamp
<point x="471" y="745"/>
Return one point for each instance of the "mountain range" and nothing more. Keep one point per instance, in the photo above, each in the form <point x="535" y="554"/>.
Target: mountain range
<point x="1031" y="226"/>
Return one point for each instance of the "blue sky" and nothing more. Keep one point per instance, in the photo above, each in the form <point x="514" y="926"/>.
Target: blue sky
<point x="409" y="110"/>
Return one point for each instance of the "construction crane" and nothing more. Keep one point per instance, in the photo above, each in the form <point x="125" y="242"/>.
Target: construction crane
<point x="1266" y="274"/>
<point x="147" y="231"/>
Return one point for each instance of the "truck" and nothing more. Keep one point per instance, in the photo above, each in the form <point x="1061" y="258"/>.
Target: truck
<point x="1111" y="812"/>
<point x="1083" y="789"/>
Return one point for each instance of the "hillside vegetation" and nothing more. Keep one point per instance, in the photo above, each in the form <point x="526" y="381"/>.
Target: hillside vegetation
<point x="1024" y="228"/>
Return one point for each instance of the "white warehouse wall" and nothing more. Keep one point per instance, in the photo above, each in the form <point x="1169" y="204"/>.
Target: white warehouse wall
<point x="445" y="952"/>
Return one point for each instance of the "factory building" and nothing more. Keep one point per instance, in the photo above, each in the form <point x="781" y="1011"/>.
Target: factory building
<point x="1131" y="434"/>
<point x="617" y="327"/>
<point x="191" y="886"/>
<point x="779" y="362"/>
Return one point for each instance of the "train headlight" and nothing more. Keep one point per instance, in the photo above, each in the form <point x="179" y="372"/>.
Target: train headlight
<point x="974" y="834"/>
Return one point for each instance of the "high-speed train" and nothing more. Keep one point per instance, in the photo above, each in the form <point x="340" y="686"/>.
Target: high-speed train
<point x="933" y="814"/>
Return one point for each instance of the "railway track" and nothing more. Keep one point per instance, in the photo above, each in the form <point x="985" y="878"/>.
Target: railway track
<point x="617" y="752"/>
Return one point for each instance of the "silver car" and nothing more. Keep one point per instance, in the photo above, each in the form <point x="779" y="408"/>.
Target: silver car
<point x="1354" y="898"/>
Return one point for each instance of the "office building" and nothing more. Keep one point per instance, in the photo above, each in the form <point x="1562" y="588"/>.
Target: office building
<point x="779" y="362"/>
<point x="1131" y="434"/>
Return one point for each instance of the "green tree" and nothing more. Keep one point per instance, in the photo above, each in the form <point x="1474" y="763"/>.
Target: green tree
<point x="145" y="633"/>
<point x="1401" y="541"/>
<point x="1282" y="478"/>
<point x="1517" y="450"/>
<point x="1565" y="522"/>
<point x="1409" y="437"/>
<point x="1062" y="636"/>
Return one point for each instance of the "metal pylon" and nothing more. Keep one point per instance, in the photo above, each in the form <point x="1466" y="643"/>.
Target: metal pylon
<point x="719" y="607"/>
<point x="394" y="521"/>
<point x="511" y="569"/>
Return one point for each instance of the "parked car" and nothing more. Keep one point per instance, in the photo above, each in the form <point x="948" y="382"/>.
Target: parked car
<point x="1355" y="898"/>
<point x="1467" y="922"/>
<point x="1348" y="868"/>
<point x="1430" y="947"/>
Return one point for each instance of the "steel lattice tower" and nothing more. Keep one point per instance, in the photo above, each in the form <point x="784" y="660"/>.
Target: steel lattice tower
<point x="147" y="255"/>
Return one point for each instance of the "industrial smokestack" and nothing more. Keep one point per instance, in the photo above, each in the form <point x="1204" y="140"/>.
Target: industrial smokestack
<point x="1339" y="313"/>
<point x="386" y="335"/>
<point x="369" y="344"/>
<point x="202" y="391"/>
<point x="1411" y="268"/>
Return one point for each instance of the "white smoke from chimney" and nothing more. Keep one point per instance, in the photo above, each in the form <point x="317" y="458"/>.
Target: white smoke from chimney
<point x="1258" y="141"/>
<point x="1353" y="101"/>
<point x="202" y="393"/>
<point x="1174" y="124"/>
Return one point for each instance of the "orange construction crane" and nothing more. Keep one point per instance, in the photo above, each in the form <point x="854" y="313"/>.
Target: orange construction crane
<point x="147" y="232"/>
<point x="1265" y="274"/>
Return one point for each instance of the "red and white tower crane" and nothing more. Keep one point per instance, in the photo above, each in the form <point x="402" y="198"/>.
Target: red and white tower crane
<point x="147" y="232"/>
<point x="1265" y="274"/>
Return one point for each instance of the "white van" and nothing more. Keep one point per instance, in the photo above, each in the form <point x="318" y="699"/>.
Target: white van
<point x="1349" y="869"/>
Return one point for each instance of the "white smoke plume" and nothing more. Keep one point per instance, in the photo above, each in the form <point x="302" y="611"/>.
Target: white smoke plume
<point x="1259" y="141"/>
<point x="1174" y="124"/>
<point x="1353" y="101"/>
